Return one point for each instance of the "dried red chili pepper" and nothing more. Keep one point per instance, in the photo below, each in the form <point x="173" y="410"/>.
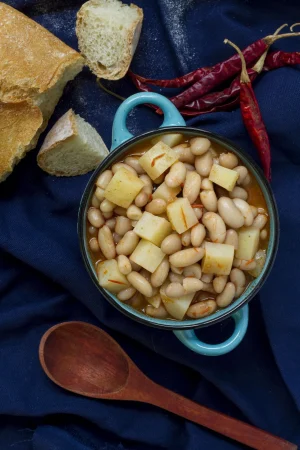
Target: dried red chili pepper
<point x="252" y="116"/>
<point x="280" y="59"/>
<point x="220" y="74"/>
<point x="251" y="54"/>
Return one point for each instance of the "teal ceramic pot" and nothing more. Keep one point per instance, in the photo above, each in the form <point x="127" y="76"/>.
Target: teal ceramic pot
<point x="123" y="142"/>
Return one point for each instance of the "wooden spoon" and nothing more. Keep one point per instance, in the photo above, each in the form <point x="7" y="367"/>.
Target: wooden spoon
<point x="84" y="359"/>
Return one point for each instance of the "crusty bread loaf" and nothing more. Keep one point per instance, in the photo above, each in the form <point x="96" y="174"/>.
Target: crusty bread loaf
<point x="19" y="123"/>
<point x="108" y="32"/>
<point x="34" y="68"/>
<point x="72" y="147"/>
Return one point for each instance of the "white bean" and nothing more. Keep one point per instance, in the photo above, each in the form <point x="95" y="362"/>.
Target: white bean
<point x="133" y="161"/>
<point x="219" y="283"/>
<point x="140" y="284"/>
<point x="95" y="202"/>
<point x="175" y="278"/>
<point x="176" y="176"/>
<point x="106" y="242"/>
<point x="191" y="188"/>
<point x="120" y="165"/>
<point x="128" y="243"/>
<point x="242" y="172"/>
<point x="134" y="223"/>
<point x="189" y="167"/>
<point x="126" y="294"/>
<point x="203" y="164"/>
<point x="183" y="151"/>
<point x="247" y="180"/>
<point x="94" y="246"/>
<point x="107" y="206"/>
<point x="216" y="226"/>
<point x="104" y="179"/>
<point x="261" y="210"/>
<point x="124" y="265"/>
<point x="239" y="192"/>
<point x="225" y="298"/>
<point x="176" y="270"/>
<point x="175" y="290"/>
<point x="95" y="217"/>
<point x="260" y="221"/>
<point x="156" y="206"/>
<point x="191" y="285"/>
<point x="228" y="160"/>
<point x="243" y="264"/>
<point x="93" y="231"/>
<point x="198" y="234"/>
<point x="193" y="271"/>
<point x="99" y="193"/>
<point x="207" y="277"/>
<point x="134" y="213"/>
<point x="263" y="234"/>
<point x="208" y="287"/>
<point x="237" y="277"/>
<point x="186" y="238"/>
<point x="141" y="199"/>
<point x="254" y="210"/>
<point x="123" y="224"/>
<point x="201" y="309"/>
<point x="147" y="181"/>
<point x="209" y="200"/>
<point x="120" y="211"/>
<point x="159" y="276"/>
<point x="171" y="244"/>
<point x="245" y="209"/>
<point x="111" y="223"/>
<point x="158" y="313"/>
<point x="199" y="145"/>
<point x="232" y="238"/>
<point x="207" y="185"/>
<point x="107" y="215"/>
<point x="229" y="212"/>
<point x="198" y="212"/>
<point x="185" y="258"/>
<point x="159" y="179"/>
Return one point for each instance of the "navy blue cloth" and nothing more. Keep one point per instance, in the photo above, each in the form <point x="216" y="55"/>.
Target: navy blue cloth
<point x="43" y="280"/>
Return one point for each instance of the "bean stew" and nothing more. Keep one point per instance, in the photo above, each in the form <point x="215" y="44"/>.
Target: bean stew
<point x="178" y="228"/>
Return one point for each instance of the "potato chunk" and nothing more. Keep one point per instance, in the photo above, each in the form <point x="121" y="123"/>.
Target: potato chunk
<point x="123" y="188"/>
<point x="166" y="193"/>
<point x="223" y="177"/>
<point x="153" y="228"/>
<point x="248" y="243"/>
<point x="176" y="307"/>
<point x="158" y="159"/>
<point x="147" y="255"/>
<point x="181" y="215"/>
<point x="171" y="139"/>
<point x="110" y="277"/>
<point x="218" y="258"/>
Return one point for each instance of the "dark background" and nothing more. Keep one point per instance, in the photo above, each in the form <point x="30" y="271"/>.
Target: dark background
<point x="43" y="280"/>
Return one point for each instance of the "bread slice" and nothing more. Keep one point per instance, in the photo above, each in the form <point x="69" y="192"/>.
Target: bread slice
<point x="34" y="69"/>
<point x="19" y="123"/>
<point x="72" y="147"/>
<point x="108" y="32"/>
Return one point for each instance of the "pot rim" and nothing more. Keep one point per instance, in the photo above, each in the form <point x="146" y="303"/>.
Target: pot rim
<point x="254" y="286"/>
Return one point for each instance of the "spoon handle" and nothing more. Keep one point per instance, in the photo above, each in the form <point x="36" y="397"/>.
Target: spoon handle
<point x="216" y="421"/>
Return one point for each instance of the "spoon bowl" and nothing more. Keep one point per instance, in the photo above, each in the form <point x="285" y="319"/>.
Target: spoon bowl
<point x="85" y="360"/>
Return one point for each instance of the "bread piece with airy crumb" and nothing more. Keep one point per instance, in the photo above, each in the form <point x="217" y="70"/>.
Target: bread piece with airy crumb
<point x="108" y="32"/>
<point x="72" y="147"/>
<point x="19" y="126"/>
<point x="35" y="66"/>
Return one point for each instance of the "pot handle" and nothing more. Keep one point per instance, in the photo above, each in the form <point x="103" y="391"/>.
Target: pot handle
<point x="120" y="133"/>
<point x="189" y="338"/>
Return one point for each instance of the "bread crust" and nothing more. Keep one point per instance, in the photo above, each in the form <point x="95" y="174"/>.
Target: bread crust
<point x="118" y="72"/>
<point x="19" y="123"/>
<point x="32" y="60"/>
